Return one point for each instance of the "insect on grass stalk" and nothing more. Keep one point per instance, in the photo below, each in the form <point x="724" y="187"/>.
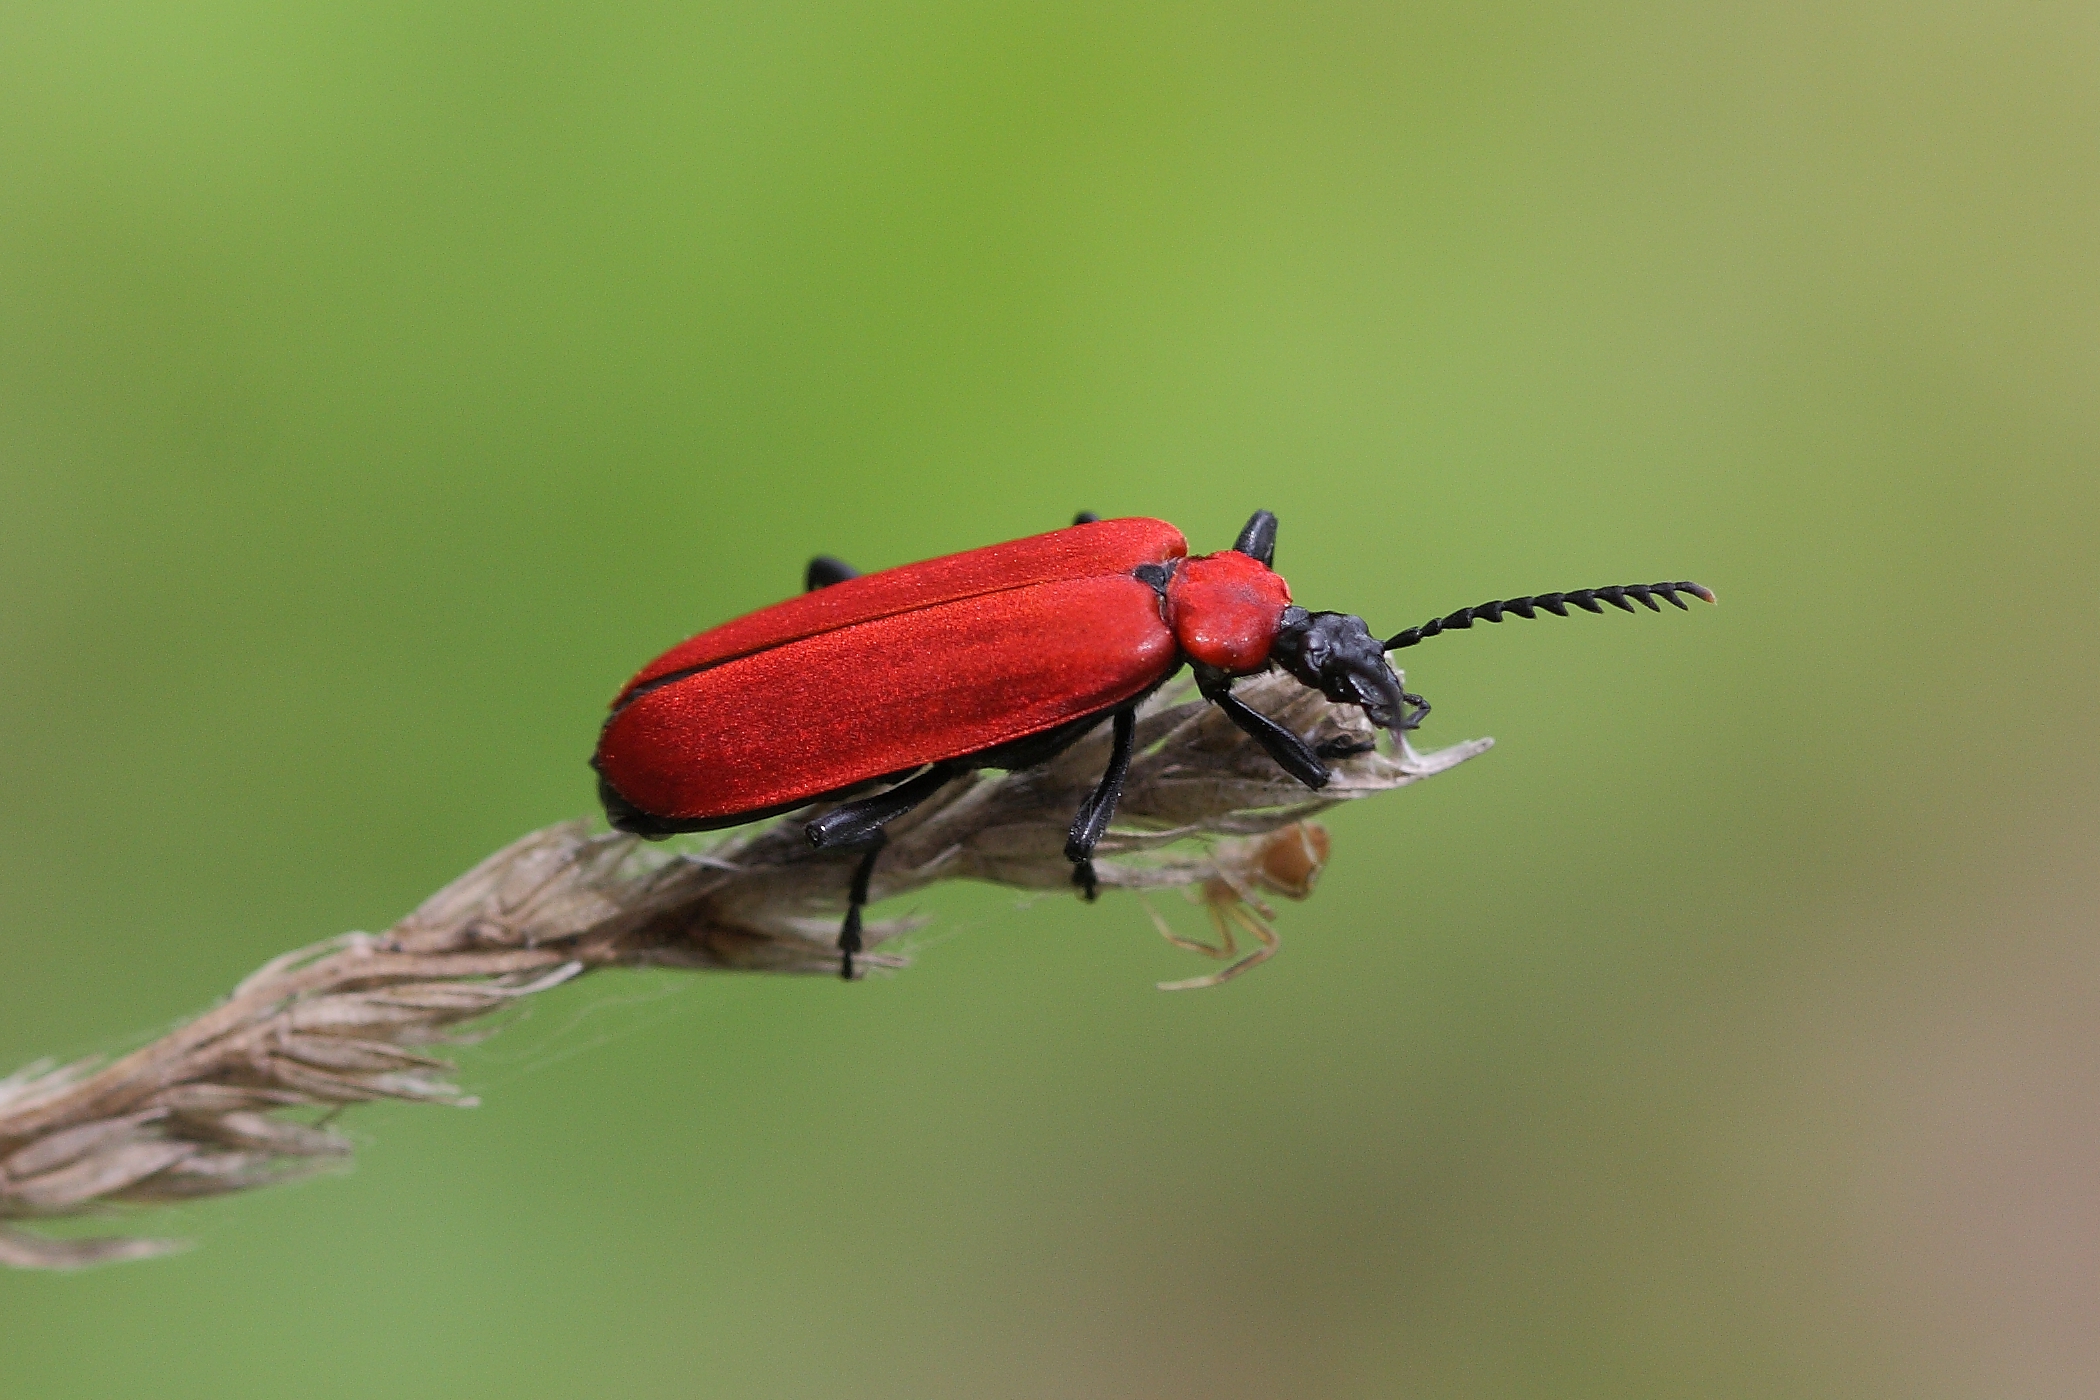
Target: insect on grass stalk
<point x="243" y="1095"/>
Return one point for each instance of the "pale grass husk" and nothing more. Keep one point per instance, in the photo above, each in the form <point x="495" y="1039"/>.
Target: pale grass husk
<point x="216" y="1105"/>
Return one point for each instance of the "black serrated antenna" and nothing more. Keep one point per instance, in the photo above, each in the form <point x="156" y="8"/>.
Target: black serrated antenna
<point x="1555" y="603"/>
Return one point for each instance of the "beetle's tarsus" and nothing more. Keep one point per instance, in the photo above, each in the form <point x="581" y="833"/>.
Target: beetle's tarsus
<point x="849" y="932"/>
<point x="849" y="942"/>
<point x="858" y="826"/>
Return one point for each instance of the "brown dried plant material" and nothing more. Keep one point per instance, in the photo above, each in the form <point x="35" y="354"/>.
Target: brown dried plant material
<point x="205" y="1110"/>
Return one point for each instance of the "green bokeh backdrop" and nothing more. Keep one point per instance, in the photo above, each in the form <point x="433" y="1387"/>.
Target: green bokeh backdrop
<point x="380" y="384"/>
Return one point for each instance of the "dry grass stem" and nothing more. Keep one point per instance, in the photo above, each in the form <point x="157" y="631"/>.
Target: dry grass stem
<point x="228" y="1101"/>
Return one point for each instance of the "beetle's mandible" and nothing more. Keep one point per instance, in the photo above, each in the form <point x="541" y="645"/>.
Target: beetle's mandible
<point x="995" y="658"/>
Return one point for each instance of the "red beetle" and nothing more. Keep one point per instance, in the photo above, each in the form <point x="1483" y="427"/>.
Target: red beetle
<point x="995" y="658"/>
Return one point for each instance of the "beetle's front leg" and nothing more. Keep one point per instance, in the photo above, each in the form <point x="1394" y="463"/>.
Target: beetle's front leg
<point x="1099" y="809"/>
<point x="1292" y="753"/>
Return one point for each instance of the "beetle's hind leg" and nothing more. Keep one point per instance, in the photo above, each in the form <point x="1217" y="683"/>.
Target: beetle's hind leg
<point x="1099" y="809"/>
<point x="856" y="900"/>
<point x="858" y="826"/>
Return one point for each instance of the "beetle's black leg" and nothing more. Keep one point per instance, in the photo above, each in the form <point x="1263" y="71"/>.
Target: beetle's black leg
<point x="1085" y="517"/>
<point x="1292" y="753"/>
<point x="824" y="571"/>
<point x="849" y="933"/>
<point x="846" y="826"/>
<point x="858" y="826"/>
<point x="1100" y="806"/>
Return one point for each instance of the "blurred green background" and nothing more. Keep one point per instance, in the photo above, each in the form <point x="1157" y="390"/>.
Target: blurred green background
<point x="380" y="385"/>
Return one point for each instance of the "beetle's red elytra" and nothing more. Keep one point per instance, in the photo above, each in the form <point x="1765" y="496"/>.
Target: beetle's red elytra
<point x="1101" y="548"/>
<point x="782" y="726"/>
<point x="999" y="657"/>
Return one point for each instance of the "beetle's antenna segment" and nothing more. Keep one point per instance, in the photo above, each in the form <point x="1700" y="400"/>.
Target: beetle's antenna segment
<point x="1556" y="603"/>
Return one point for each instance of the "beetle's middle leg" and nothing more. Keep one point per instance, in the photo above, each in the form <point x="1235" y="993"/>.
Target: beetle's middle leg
<point x="858" y="826"/>
<point x="1099" y="809"/>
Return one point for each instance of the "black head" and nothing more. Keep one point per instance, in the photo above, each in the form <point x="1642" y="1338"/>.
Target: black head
<point x="1336" y="655"/>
